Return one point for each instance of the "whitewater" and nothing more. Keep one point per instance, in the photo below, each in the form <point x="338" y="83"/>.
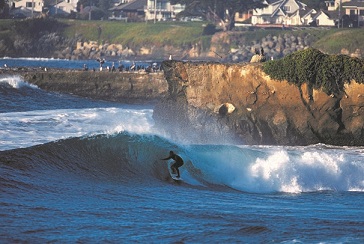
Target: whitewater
<point x="80" y="170"/>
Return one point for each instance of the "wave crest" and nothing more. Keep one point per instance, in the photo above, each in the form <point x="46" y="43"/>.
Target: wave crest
<point x="128" y="157"/>
<point x="16" y="82"/>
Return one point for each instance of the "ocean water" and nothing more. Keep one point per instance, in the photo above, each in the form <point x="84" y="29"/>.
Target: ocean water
<point x="79" y="170"/>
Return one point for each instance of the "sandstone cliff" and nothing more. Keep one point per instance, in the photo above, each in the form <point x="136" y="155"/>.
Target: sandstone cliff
<point x="267" y="111"/>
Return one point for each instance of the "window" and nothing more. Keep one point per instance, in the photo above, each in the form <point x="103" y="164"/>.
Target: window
<point x="29" y="4"/>
<point x="352" y="12"/>
<point x="361" y="12"/>
<point x="287" y="8"/>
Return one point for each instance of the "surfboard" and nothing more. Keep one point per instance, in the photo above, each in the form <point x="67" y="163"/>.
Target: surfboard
<point x="174" y="177"/>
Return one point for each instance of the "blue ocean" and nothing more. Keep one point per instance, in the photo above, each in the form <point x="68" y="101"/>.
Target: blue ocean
<point x="74" y="170"/>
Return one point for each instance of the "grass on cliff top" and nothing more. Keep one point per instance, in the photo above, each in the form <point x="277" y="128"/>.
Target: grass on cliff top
<point x="330" y="41"/>
<point x="327" y="40"/>
<point x="134" y="34"/>
<point x="336" y="39"/>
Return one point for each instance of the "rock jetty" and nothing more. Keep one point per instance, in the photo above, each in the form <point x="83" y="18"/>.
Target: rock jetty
<point x="123" y="87"/>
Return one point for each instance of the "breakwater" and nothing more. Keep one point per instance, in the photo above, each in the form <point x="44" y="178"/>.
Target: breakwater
<point x="125" y="87"/>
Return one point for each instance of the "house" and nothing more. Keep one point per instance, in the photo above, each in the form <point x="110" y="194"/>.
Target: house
<point x="145" y="10"/>
<point x="131" y="11"/>
<point x="307" y="16"/>
<point x="280" y="13"/>
<point x="51" y="7"/>
<point x="62" y="7"/>
<point x="333" y="5"/>
<point x="32" y="5"/>
<point x="325" y="18"/>
<point x="355" y="10"/>
<point x="241" y="17"/>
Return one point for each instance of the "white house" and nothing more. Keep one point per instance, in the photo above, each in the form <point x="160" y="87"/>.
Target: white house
<point x="64" y="6"/>
<point x="146" y="10"/>
<point x="33" y="5"/>
<point x="324" y="18"/>
<point x="39" y="6"/>
<point x="279" y="12"/>
<point x="161" y="10"/>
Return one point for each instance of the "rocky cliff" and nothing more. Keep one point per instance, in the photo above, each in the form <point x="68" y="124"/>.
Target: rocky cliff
<point x="266" y="111"/>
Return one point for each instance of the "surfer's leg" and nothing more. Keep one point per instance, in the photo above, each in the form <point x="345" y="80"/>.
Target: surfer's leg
<point x="173" y="168"/>
<point x="177" y="172"/>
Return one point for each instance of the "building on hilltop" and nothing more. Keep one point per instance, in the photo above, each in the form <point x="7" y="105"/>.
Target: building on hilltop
<point x="355" y="11"/>
<point x="145" y="10"/>
<point x="282" y="13"/>
<point x="62" y="7"/>
<point x="32" y="8"/>
<point x="324" y="18"/>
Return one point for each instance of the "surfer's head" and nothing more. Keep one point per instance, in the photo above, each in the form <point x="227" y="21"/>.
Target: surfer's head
<point x="171" y="153"/>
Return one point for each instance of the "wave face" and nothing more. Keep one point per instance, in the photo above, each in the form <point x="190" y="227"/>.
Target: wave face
<point x="127" y="157"/>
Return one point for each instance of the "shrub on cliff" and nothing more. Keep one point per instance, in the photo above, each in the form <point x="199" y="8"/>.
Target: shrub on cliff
<point x="35" y="27"/>
<point x="318" y="70"/>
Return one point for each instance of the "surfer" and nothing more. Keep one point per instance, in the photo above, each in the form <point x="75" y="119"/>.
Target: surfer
<point x="178" y="162"/>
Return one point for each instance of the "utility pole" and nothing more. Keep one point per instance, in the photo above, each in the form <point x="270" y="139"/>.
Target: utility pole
<point x="89" y="13"/>
<point x="340" y="21"/>
<point x="155" y="11"/>
<point x="32" y="8"/>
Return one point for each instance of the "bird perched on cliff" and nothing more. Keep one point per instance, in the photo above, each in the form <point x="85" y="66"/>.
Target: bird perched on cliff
<point x="101" y="61"/>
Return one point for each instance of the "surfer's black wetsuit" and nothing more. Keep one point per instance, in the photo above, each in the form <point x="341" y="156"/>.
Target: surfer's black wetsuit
<point x="178" y="162"/>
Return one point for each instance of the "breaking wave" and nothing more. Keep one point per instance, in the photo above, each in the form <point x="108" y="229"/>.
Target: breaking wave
<point x="136" y="158"/>
<point x="15" y="82"/>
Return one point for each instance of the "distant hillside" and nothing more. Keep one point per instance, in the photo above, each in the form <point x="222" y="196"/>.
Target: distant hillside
<point x="182" y="39"/>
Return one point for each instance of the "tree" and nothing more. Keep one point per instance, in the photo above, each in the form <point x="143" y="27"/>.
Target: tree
<point x="104" y="5"/>
<point x="219" y="11"/>
<point x="101" y="5"/>
<point x="4" y="8"/>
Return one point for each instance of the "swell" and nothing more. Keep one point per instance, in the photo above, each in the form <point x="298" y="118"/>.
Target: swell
<point x="136" y="158"/>
<point x="121" y="157"/>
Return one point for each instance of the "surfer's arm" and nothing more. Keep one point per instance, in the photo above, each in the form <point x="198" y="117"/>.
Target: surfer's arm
<point x="166" y="158"/>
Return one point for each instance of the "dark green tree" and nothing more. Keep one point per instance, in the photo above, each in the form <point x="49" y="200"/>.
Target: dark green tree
<point x="104" y="5"/>
<point x="220" y="12"/>
<point x="102" y="8"/>
<point x="2" y="4"/>
<point x="4" y="8"/>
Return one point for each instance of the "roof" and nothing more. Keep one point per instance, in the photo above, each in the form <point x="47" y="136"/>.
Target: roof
<point x="353" y="3"/>
<point x="133" y="5"/>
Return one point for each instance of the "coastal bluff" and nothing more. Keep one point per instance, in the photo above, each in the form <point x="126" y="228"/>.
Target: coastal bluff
<point x="124" y="87"/>
<point x="266" y="111"/>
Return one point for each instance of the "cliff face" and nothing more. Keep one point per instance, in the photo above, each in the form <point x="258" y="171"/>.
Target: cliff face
<point x="266" y="111"/>
<point x="109" y="86"/>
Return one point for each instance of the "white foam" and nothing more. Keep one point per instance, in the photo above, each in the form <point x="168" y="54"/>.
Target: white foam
<point x="24" y="129"/>
<point x="279" y="169"/>
<point x="16" y="82"/>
